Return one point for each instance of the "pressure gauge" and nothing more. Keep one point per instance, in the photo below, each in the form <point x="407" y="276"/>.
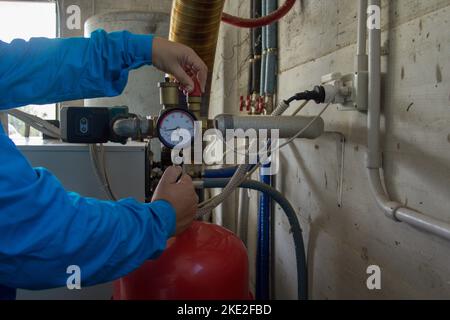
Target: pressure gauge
<point x="176" y="128"/>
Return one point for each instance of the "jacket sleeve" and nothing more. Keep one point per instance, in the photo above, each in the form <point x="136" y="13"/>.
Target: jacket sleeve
<point x="43" y="71"/>
<point x="44" y="229"/>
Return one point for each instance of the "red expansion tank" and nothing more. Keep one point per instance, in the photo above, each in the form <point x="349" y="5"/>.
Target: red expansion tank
<point x="206" y="262"/>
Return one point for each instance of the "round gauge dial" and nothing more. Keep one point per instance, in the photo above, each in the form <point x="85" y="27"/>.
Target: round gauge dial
<point x="176" y="128"/>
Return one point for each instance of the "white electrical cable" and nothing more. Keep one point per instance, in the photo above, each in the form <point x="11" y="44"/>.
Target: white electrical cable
<point x="100" y="170"/>
<point x="105" y="172"/>
<point x="300" y="108"/>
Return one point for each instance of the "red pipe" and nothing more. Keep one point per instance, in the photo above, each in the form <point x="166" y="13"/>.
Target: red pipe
<point x="259" y="22"/>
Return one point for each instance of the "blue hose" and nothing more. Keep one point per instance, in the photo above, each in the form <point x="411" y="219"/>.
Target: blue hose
<point x="300" y="254"/>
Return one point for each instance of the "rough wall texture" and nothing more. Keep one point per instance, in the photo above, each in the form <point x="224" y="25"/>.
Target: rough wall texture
<point x="317" y="38"/>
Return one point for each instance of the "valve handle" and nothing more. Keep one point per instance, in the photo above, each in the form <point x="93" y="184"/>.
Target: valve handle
<point x="197" y="91"/>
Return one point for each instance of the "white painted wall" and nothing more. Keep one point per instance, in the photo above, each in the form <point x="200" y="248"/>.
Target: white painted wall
<point x="317" y="38"/>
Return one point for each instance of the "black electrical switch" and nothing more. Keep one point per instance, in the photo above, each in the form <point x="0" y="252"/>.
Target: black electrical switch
<point x="88" y="124"/>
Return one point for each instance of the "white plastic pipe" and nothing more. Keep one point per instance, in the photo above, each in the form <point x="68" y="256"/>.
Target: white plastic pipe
<point x="362" y="30"/>
<point x="361" y="52"/>
<point x="374" y="103"/>
<point x="237" y="178"/>
<point x="287" y="126"/>
<point x="392" y="209"/>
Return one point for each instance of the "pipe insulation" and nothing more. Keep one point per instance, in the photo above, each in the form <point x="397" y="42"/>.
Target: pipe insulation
<point x="196" y="23"/>
<point x="251" y="67"/>
<point x="287" y="126"/>
<point x="262" y="83"/>
<point x="271" y="52"/>
<point x="257" y="51"/>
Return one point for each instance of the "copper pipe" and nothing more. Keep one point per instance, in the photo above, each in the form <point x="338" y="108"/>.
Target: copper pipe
<point x="196" y="23"/>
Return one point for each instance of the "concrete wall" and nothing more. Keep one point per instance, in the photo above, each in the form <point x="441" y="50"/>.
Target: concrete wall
<point x="317" y="38"/>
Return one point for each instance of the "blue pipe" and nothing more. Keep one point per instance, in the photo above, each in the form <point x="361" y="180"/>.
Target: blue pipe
<point x="221" y="173"/>
<point x="271" y="51"/>
<point x="268" y="84"/>
<point x="263" y="241"/>
<point x="263" y="55"/>
<point x="263" y="249"/>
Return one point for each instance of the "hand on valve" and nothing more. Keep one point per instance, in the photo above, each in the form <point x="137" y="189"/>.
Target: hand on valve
<point x="180" y="61"/>
<point x="180" y="193"/>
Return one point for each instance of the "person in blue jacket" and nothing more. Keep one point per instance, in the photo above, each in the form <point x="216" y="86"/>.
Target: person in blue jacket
<point x="44" y="229"/>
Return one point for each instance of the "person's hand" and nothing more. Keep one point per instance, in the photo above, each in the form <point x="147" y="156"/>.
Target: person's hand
<point x="180" y="61"/>
<point x="180" y="194"/>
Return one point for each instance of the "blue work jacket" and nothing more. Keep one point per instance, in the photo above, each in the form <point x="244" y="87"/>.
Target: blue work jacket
<point x="44" y="228"/>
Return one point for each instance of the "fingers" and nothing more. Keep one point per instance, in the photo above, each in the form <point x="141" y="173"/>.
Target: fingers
<point x="201" y="69"/>
<point x="183" y="78"/>
<point x="171" y="175"/>
<point x="185" y="179"/>
<point x="179" y="60"/>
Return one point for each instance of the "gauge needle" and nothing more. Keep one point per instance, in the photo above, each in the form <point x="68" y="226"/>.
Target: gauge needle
<point x="172" y="129"/>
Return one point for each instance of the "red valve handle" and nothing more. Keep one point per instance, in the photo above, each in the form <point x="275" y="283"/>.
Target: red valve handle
<point x="248" y="103"/>
<point x="262" y="105"/>
<point x="197" y="92"/>
<point x="241" y="104"/>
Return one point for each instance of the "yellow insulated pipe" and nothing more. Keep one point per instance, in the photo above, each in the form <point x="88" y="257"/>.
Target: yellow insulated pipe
<point x="196" y="24"/>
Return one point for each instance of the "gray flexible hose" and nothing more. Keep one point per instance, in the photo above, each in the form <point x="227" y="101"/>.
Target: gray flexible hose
<point x="302" y="274"/>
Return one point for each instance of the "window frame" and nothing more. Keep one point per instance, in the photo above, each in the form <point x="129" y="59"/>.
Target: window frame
<point x="56" y="35"/>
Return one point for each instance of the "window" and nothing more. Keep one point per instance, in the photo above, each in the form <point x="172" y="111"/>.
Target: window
<point x="25" y="20"/>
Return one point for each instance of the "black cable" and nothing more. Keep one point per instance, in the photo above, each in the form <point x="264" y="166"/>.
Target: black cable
<point x="317" y="94"/>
